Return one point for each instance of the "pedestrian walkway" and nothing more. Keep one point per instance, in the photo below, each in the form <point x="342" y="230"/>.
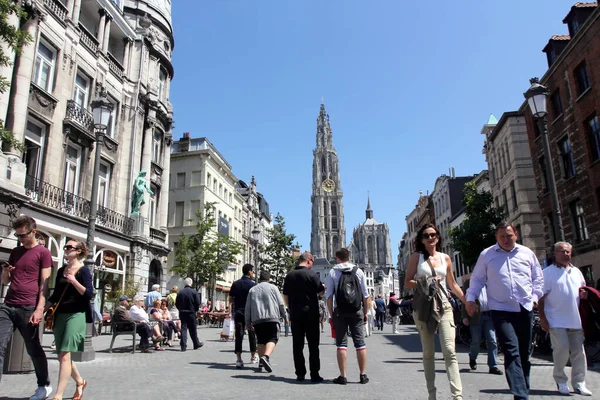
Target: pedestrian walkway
<point x="394" y="369"/>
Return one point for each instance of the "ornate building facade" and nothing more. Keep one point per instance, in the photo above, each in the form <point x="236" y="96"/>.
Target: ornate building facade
<point x="81" y="49"/>
<point x="328" y="232"/>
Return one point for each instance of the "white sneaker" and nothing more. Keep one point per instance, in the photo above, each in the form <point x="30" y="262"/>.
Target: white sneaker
<point x="396" y="332"/>
<point x="563" y="388"/>
<point x="254" y="360"/>
<point x="582" y="390"/>
<point x="41" y="393"/>
<point x="239" y="364"/>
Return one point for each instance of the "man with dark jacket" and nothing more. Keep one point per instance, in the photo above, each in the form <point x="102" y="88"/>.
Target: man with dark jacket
<point x="237" y="304"/>
<point x="379" y="312"/>
<point x="301" y="290"/>
<point x="124" y="322"/>
<point x="188" y="303"/>
<point x="394" y="308"/>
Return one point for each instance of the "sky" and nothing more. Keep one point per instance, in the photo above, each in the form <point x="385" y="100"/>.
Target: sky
<point x="408" y="86"/>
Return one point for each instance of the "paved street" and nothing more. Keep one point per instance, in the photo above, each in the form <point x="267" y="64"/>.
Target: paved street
<point x="394" y="368"/>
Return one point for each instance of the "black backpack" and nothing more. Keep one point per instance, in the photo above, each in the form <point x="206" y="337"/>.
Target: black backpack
<point x="348" y="296"/>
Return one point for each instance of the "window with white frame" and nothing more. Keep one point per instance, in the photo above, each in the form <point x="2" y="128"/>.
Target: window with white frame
<point x="162" y="85"/>
<point x="111" y="127"/>
<point x="180" y="180"/>
<point x="195" y="207"/>
<point x="156" y="146"/>
<point x="214" y="185"/>
<point x="154" y="199"/>
<point x="81" y="90"/>
<point x="72" y="168"/>
<point x="105" y="171"/>
<point x="45" y="62"/>
<point x="35" y="136"/>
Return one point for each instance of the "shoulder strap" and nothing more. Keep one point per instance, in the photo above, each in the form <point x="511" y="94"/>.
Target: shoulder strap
<point x="431" y="266"/>
<point x="62" y="295"/>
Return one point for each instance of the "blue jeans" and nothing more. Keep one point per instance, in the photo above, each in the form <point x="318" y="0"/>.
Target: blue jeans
<point x="17" y="317"/>
<point x="484" y="327"/>
<point x="514" y="335"/>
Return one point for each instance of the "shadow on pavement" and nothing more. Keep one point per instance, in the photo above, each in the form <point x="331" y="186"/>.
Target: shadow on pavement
<point x="410" y="343"/>
<point x="533" y="392"/>
<point x="404" y="361"/>
<point x="215" y="365"/>
<point x="274" y="378"/>
<point x="14" y="398"/>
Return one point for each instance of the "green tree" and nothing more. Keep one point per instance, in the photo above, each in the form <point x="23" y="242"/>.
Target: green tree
<point x="477" y="231"/>
<point x="277" y="255"/>
<point x="205" y="255"/>
<point x="14" y="39"/>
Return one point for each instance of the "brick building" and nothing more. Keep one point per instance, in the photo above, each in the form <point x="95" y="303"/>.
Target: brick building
<point x="573" y="79"/>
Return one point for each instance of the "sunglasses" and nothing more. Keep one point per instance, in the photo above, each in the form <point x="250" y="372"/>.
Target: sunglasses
<point x="22" y="235"/>
<point x="69" y="248"/>
<point x="429" y="235"/>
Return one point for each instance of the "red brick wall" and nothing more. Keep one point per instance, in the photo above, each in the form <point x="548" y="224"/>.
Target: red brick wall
<point x="576" y="110"/>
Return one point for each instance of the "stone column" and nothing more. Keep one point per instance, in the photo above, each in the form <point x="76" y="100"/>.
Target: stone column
<point x="101" y="25"/>
<point x="106" y="34"/>
<point x="76" y="11"/>
<point x="128" y="43"/>
<point x="7" y="71"/>
<point x="164" y="189"/>
<point x="16" y="119"/>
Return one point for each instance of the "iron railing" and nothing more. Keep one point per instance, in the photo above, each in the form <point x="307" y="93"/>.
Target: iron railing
<point x="66" y="202"/>
<point x="80" y="115"/>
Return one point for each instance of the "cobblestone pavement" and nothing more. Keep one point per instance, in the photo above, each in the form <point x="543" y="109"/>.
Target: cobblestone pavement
<point x="394" y="368"/>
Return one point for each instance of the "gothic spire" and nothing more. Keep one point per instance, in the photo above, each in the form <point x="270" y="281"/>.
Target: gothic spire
<point x="369" y="212"/>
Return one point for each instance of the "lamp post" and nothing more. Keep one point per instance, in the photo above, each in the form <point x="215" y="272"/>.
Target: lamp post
<point x="537" y="98"/>
<point x="102" y="110"/>
<point x="255" y="236"/>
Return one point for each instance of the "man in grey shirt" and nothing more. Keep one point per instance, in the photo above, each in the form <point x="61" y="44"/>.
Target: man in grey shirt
<point x="264" y="310"/>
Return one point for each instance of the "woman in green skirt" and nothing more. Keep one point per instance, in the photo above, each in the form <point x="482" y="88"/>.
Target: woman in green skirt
<point x="73" y="291"/>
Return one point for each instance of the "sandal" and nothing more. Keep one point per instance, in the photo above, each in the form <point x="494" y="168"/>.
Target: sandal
<point x="81" y="385"/>
<point x="159" y="349"/>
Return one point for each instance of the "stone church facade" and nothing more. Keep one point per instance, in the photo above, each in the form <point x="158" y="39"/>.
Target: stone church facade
<point x="81" y="49"/>
<point x="328" y="233"/>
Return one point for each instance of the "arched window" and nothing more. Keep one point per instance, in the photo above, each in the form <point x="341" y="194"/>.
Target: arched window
<point x="370" y="250"/>
<point x="154" y="274"/>
<point x="335" y="243"/>
<point x="325" y="215"/>
<point x="323" y="167"/>
<point x="327" y="248"/>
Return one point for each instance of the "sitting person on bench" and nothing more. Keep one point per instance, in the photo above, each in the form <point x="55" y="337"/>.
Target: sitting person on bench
<point x="168" y="318"/>
<point x="138" y="314"/>
<point x="167" y="326"/>
<point x="125" y="323"/>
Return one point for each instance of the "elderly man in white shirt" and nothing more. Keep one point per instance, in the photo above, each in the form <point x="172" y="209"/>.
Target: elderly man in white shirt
<point x="559" y="314"/>
<point x="138" y="314"/>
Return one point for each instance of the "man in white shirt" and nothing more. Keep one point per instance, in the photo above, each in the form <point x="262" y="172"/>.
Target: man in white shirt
<point x="138" y="314"/>
<point x="559" y="314"/>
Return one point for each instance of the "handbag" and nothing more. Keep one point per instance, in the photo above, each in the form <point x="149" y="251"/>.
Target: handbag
<point x="50" y="314"/>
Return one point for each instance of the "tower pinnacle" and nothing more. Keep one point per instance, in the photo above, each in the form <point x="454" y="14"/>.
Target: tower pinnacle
<point x="369" y="211"/>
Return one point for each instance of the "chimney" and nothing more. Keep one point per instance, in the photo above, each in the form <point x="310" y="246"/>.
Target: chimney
<point x="184" y="142"/>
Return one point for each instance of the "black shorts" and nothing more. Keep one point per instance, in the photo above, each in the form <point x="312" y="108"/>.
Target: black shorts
<point x="267" y="332"/>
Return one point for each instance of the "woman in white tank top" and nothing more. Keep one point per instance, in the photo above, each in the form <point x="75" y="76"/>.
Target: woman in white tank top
<point x="420" y="264"/>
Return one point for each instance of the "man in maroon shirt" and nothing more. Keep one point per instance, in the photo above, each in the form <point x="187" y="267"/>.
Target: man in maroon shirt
<point x="27" y="272"/>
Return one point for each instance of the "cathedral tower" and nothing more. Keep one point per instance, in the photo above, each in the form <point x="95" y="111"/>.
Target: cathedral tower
<point x="328" y="232"/>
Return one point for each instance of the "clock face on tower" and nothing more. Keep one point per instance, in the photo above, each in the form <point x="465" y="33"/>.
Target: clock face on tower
<point x="328" y="185"/>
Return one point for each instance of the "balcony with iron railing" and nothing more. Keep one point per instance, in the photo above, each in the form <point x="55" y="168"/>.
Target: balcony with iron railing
<point x="59" y="200"/>
<point x="80" y="118"/>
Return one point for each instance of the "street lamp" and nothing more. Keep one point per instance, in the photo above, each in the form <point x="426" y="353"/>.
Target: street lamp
<point x="255" y="236"/>
<point x="537" y="98"/>
<point x="101" y="109"/>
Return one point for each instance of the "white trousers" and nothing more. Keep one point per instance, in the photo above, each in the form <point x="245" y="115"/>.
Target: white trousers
<point x="568" y="343"/>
